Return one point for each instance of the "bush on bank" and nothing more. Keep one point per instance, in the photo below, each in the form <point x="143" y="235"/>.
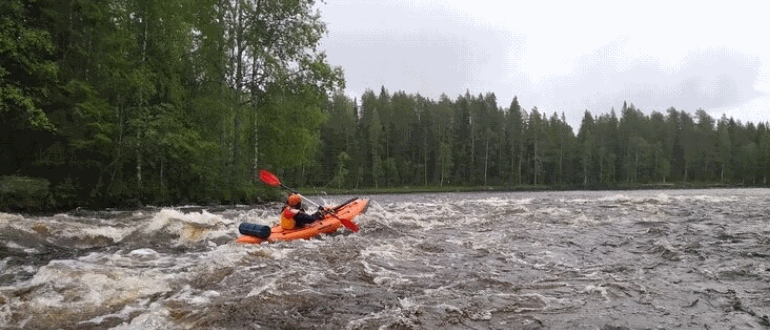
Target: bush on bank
<point x="24" y="193"/>
<point x="29" y="194"/>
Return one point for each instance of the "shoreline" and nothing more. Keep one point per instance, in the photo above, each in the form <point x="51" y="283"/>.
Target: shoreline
<point x="321" y="191"/>
<point x="518" y="188"/>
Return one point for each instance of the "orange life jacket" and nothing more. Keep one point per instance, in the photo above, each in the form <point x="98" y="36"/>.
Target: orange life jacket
<point x="287" y="218"/>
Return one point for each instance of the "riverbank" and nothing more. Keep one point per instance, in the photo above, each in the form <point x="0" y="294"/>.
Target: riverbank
<point x="440" y="189"/>
<point x="36" y="196"/>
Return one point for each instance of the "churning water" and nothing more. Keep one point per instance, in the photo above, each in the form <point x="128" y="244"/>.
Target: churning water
<point x="550" y="260"/>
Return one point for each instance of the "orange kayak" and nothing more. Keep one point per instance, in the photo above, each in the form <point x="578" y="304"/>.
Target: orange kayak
<point x="326" y="225"/>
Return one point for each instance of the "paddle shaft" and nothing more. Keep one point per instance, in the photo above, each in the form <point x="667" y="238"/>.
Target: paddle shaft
<point x="316" y="205"/>
<point x="300" y="195"/>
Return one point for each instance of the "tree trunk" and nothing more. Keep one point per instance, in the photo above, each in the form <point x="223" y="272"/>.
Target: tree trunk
<point x="139" y="158"/>
<point x="486" y="161"/>
<point x="534" y="164"/>
<point x="472" y="165"/>
<point x="119" y="120"/>
<point x="521" y="156"/>
<point x="636" y="166"/>
<point x="561" y="163"/>
<point x="500" y="162"/>
<point x="722" y="174"/>
<point x="162" y="188"/>
<point x="601" y="167"/>
<point x="239" y="42"/>
<point x="255" y="105"/>
<point x="140" y="108"/>
<point x="425" y="159"/>
<point x="441" y="181"/>
<point x="256" y="142"/>
<point x="513" y="163"/>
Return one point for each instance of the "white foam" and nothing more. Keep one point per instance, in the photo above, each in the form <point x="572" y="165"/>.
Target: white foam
<point x="190" y="227"/>
<point x="14" y="245"/>
<point x="583" y="220"/>
<point x="100" y="280"/>
<point x="144" y="252"/>
<point x="707" y="198"/>
<point x="78" y="285"/>
<point x="124" y="313"/>
<point x="592" y="288"/>
<point x="111" y="232"/>
<point x="157" y="317"/>
<point x="5" y="309"/>
<point x="263" y="285"/>
<point x="617" y="198"/>
<point x="8" y="218"/>
<point x="194" y="297"/>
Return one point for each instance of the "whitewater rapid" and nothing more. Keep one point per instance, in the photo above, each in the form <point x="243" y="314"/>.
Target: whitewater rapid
<point x="660" y="259"/>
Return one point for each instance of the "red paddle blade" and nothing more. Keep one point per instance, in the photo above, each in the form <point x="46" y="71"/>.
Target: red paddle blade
<point x="349" y="225"/>
<point x="345" y="222"/>
<point x="269" y="178"/>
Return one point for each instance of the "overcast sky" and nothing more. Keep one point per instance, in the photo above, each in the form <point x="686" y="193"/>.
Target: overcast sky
<point x="560" y="56"/>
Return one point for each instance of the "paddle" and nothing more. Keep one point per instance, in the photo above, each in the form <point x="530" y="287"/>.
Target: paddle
<point x="272" y="180"/>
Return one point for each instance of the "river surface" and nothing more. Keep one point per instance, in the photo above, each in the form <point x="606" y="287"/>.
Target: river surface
<point x="658" y="259"/>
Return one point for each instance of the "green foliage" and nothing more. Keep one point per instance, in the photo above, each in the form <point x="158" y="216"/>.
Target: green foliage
<point x="342" y="169"/>
<point x="24" y="193"/>
<point x="23" y="186"/>
<point x="122" y="103"/>
<point x="27" y="67"/>
<point x="474" y="142"/>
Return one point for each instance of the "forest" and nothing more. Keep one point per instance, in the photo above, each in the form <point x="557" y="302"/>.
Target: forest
<point x="401" y="139"/>
<point x="119" y="103"/>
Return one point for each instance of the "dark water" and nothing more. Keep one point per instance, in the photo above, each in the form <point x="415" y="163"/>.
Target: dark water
<point x="694" y="259"/>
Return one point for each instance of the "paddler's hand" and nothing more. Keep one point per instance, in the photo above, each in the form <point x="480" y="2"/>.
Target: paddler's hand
<point x="323" y="210"/>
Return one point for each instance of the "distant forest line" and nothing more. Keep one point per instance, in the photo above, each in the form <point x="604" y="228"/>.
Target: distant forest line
<point x="400" y="139"/>
<point x="119" y="103"/>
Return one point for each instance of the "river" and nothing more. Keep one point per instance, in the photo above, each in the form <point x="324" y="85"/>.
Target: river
<point x="652" y="259"/>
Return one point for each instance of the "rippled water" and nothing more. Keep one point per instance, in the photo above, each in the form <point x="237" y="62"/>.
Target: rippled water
<point x="554" y="260"/>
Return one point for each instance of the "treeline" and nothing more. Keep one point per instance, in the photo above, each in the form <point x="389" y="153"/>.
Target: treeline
<point x="114" y="102"/>
<point x="121" y="102"/>
<point x="395" y="140"/>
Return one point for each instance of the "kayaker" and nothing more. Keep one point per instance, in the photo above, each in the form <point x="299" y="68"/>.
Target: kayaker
<point x="294" y="216"/>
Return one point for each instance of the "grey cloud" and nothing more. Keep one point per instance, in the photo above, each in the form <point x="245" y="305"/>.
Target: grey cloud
<point x="708" y="79"/>
<point x="717" y="77"/>
<point x="434" y="50"/>
<point x="711" y="78"/>
<point x="427" y="52"/>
